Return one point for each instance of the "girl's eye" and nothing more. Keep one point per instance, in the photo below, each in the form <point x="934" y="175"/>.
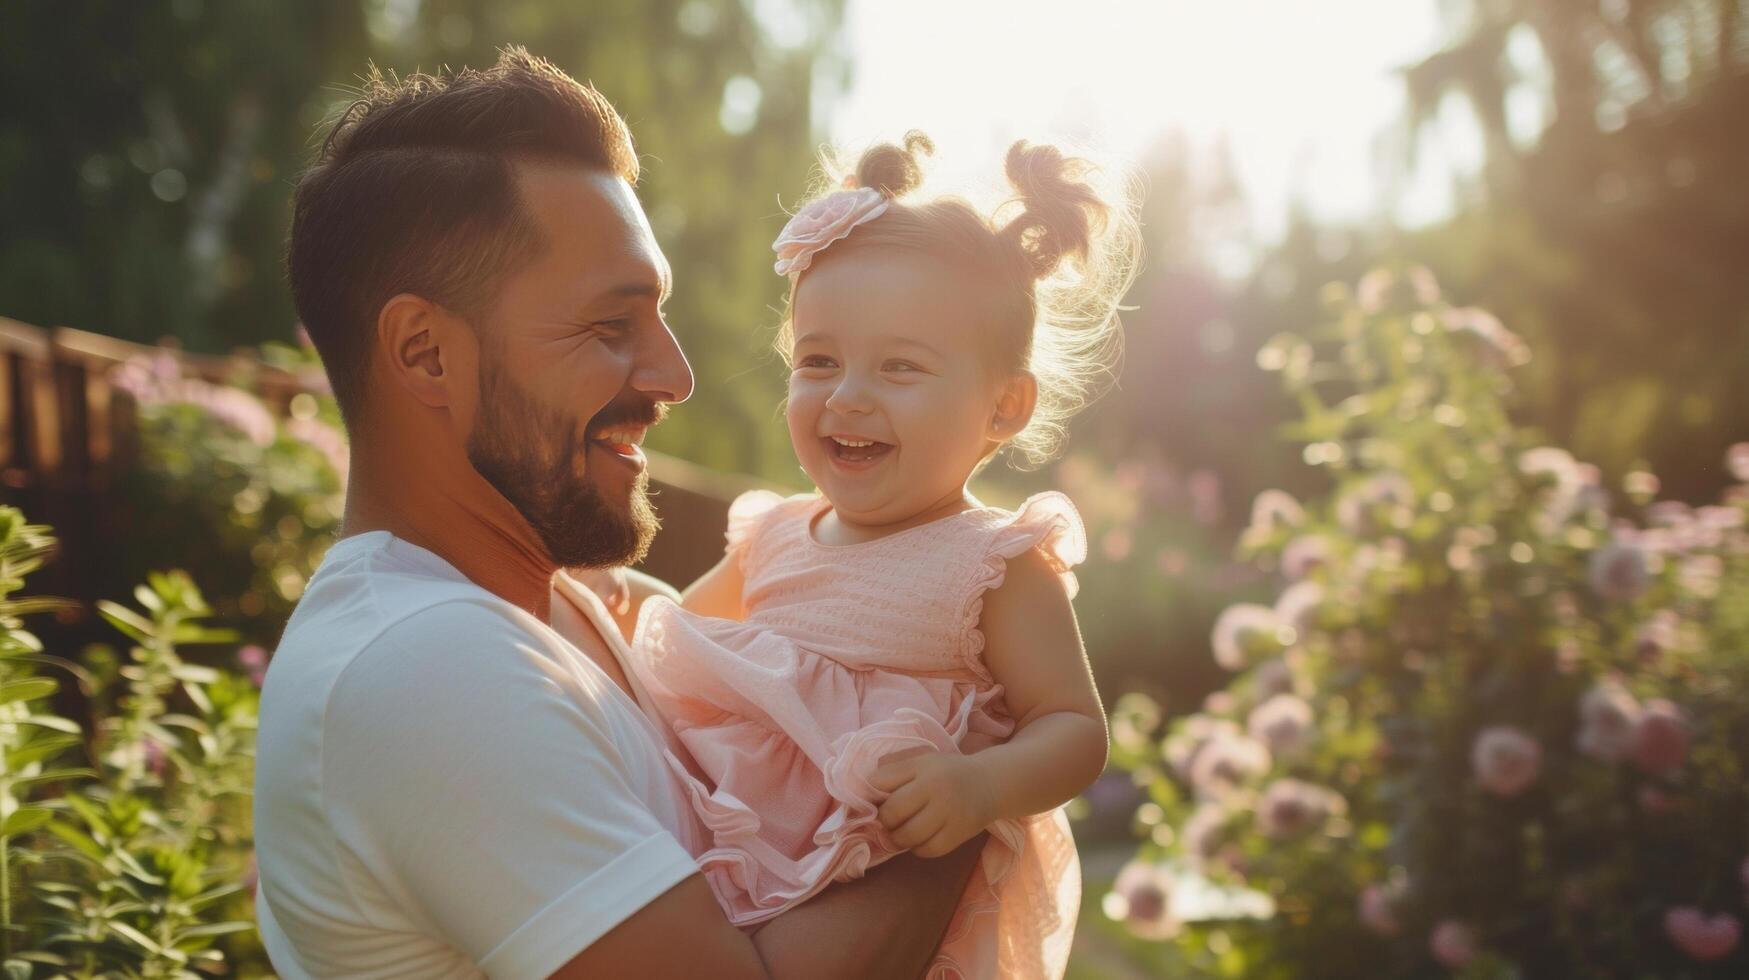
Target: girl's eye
<point x="815" y="361"/>
<point x="902" y="366"/>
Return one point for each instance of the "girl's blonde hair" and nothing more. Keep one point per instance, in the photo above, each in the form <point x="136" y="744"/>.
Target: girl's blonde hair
<point x="1054" y="260"/>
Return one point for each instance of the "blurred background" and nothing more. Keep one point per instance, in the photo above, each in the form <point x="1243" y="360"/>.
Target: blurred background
<point x="1576" y="167"/>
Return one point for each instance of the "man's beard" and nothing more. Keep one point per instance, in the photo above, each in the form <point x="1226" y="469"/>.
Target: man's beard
<point x="535" y="458"/>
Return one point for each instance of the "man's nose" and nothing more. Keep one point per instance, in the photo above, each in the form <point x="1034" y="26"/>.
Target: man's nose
<point x="662" y="372"/>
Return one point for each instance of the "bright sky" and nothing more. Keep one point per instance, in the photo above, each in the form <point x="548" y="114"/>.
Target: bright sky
<point x="1301" y="90"/>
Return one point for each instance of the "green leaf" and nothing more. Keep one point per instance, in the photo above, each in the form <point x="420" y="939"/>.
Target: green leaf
<point x="79" y="840"/>
<point x="55" y="722"/>
<point x="25" y="820"/>
<point x="39" y="748"/>
<point x="129" y="932"/>
<point x="213" y="929"/>
<point x="137" y="627"/>
<point x="28" y="689"/>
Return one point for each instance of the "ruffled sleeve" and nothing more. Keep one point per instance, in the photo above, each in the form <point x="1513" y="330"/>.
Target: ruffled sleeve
<point x="746" y="514"/>
<point x="1046" y="521"/>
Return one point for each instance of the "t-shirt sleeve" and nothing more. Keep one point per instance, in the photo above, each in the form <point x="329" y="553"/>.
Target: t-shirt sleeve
<point x="466" y="770"/>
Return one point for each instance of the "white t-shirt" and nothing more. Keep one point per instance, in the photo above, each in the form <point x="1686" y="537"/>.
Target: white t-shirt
<point x="445" y="786"/>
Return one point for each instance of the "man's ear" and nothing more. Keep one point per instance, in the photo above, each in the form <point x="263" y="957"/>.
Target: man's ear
<point x="416" y="342"/>
<point x="1014" y="407"/>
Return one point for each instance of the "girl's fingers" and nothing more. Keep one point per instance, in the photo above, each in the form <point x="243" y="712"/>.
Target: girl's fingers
<point x="901" y="806"/>
<point x="938" y="844"/>
<point x="894" y="771"/>
<point x="926" y="824"/>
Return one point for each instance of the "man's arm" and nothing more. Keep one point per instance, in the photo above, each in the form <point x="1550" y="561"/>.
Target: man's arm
<point x="885" y="924"/>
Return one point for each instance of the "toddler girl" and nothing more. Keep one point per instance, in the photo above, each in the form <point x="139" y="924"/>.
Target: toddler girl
<point x="888" y="664"/>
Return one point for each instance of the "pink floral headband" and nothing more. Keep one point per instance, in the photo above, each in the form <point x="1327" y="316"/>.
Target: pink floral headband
<point x="822" y="222"/>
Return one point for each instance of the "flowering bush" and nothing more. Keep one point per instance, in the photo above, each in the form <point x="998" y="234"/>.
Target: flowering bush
<point x="1493" y="726"/>
<point x="237" y="493"/>
<point x="139" y="865"/>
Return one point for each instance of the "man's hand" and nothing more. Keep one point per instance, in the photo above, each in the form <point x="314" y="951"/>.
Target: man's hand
<point x="937" y="801"/>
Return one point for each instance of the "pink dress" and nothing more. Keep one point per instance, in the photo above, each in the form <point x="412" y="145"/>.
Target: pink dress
<point x="848" y="654"/>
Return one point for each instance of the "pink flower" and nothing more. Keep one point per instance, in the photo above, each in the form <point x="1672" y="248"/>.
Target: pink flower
<point x="1283" y="723"/>
<point x="1737" y="461"/>
<point x="1273" y="677"/>
<point x="1226" y="763"/>
<point x="1304" y="553"/>
<point x="1608" y="720"/>
<point x="1503" y="348"/>
<point x="254" y="662"/>
<point x="1141" y="898"/>
<point x="1661" y="738"/>
<point x="1700" y="937"/>
<point x="1620" y="570"/>
<point x="1241" y="630"/>
<point x="1117" y="543"/>
<point x="820" y="223"/>
<point x="1275" y="509"/>
<point x="1357" y="503"/>
<point x="1202" y="834"/>
<point x="325" y="439"/>
<point x="1378" y="907"/>
<point x="1192" y="736"/>
<point x="1506" y="761"/>
<point x="1655" y="801"/>
<point x="1453" y="944"/>
<point x="1290" y="807"/>
<point x="1297" y="606"/>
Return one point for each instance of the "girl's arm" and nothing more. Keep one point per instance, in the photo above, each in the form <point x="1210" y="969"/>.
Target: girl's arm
<point x="718" y="592"/>
<point x="1033" y="647"/>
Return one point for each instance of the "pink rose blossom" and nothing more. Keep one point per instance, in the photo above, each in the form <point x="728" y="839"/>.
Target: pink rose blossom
<point x="1608" y="719"/>
<point x="1275" y="509"/>
<point x="1737" y="460"/>
<point x="1503" y="348"/>
<point x="1240" y="629"/>
<point x="1453" y="944"/>
<point x="1620" y="570"/>
<point x="1654" y="801"/>
<point x="822" y="222"/>
<point x="1700" y="937"/>
<point x="1283" y="723"/>
<point x="1226" y="763"/>
<point x="1661" y="738"/>
<point x="1297" y="606"/>
<point x="1192" y="736"/>
<point x="1506" y="760"/>
<point x="1141" y="898"/>
<point x="1305" y="553"/>
<point x="1203" y="834"/>
<point x="1290" y="807"/>
<point x="1378" y="907"/>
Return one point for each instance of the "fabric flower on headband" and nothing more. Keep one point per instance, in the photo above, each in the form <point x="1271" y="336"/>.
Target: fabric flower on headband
<point x="822" y="222"/>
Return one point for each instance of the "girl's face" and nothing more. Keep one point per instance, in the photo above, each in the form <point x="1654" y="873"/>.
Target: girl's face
<point x="892" y="397"/>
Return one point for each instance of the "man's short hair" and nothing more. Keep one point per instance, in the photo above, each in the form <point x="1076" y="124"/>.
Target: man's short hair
<point x="414" y="191"/>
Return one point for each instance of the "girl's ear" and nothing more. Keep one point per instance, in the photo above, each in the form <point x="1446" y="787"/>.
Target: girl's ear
<point x="1014" y="407"/>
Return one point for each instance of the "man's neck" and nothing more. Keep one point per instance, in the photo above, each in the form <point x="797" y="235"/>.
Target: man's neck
<point x="451" y="511"/>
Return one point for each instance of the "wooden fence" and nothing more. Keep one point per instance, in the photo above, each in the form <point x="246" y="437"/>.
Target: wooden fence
<point x="67" y="434"/>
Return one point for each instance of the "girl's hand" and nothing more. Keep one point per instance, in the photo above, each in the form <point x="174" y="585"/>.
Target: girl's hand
<point x="937" y="800"/>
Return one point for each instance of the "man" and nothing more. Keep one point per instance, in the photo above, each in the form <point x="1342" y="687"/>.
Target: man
<point x="455" y="777"/>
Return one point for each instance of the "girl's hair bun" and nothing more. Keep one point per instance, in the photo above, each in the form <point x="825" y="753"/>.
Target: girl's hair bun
<point x="894" y="170"/>
<point x="1060" y="211"/>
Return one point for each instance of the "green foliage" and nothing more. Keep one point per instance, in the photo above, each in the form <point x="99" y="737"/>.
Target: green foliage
<point x="1491" y="727"/>
<point x="241" y="494"/>
<point x="139" y="865"/>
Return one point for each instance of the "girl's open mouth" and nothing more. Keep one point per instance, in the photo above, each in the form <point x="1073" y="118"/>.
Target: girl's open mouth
<point x="855" y="453"/>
